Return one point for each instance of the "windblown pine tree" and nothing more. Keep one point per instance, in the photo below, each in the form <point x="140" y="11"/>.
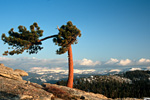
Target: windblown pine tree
<point x="28" y="40"/>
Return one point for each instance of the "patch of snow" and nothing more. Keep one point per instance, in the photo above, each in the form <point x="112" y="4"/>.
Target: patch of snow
<point x="115" y="70"/>
<point x="43" y="80"/>
<point x="133" y="69"/>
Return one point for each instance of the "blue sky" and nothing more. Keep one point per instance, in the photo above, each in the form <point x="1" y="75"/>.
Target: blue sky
<point x="118" y="29"/>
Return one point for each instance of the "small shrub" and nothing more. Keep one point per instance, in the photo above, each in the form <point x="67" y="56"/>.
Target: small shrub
<point x="58" y="92"/>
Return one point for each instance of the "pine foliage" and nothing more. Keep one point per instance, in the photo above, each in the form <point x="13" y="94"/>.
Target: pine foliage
<point x="29" y="39"/>
<point x="67" y="35"/>
<point x="23" y="40"/>
<point x="138" y="88"/>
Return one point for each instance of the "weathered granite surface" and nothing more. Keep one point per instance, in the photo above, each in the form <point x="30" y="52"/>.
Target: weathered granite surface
<point x="78" y="94"/>
<point x="12" y="87"/>
<point x="12" y="74"/>
<point x="18" y="90"/>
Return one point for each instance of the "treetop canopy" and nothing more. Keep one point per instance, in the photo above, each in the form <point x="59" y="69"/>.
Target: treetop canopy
<point x="29" y="39"/>
<point x="67" y="35"/>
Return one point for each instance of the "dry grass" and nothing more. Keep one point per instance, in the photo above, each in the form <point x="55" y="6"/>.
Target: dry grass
<point x="57" y="92"/>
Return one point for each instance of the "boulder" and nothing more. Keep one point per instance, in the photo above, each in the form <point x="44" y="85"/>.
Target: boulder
<point x="18" y="90"/>
<point x="12" y="74"/>
<point x="75" y="93"/>
<point x="5" y="68"/>
<point x="12" y="87"/>
<point x="21" y="72"/>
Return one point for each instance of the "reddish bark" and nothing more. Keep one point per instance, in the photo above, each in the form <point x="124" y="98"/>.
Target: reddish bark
<point x="70" y="63"/>
<point x="70" y="74"/>
<point x="47" y="38"/>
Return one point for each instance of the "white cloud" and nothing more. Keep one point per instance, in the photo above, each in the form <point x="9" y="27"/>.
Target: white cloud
<point x="116" y="62"/>
<point x="41" y="66"/>
<point x="143" y="60"/>
<point x="148" y="68"/>
<point x="4" y="58"/>
<point x="124" y="62"/>
<point x="87" y="62"/>
<point x="112" y="61"/>
<point x="26" y="63"/>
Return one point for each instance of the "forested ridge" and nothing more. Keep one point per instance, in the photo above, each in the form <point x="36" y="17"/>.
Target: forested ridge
<point x="135" y="84"/>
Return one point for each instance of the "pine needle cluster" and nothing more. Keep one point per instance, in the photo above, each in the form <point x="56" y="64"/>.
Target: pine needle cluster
<point x="23" y="40"/>
<point x="67" y="35"/>
<point x="29" y="39"/>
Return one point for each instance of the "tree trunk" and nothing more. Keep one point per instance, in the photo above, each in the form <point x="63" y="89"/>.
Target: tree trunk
<point x="70" y="73"/>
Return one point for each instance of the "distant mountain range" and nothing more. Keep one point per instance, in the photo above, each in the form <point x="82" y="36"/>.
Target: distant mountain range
<point x="51" y="76"/>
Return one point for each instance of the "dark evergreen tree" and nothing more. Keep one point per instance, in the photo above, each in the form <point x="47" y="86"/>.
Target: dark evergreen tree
<point x="29" y="40"/>
<point x="116" y="89"/>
